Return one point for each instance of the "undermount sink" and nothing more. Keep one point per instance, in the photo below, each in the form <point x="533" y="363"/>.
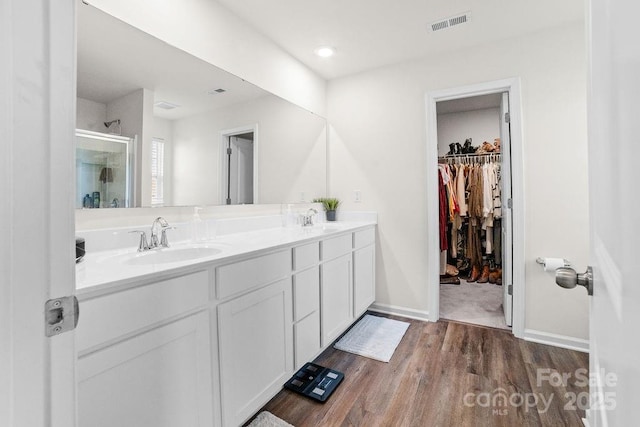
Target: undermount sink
<point x="166" y="255"/>
<point x="329" y="228"/>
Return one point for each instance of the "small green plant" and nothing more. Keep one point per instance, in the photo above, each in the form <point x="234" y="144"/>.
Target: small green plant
<point x="328" y="203"/>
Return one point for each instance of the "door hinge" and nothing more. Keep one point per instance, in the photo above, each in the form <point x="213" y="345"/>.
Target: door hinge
<point x="229" y="151"/>
<point x="510" y="290"/>
<point x="61" y="315"/>
<point x="510" y="203"/>
<point x="507" y="118"/>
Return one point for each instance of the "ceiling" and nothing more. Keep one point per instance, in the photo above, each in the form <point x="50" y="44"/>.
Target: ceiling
<point x="472" y="103"/>
<point x="372" y="33"/>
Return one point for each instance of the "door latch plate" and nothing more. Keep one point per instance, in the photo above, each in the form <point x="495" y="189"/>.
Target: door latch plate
<point x="61" y="315"/>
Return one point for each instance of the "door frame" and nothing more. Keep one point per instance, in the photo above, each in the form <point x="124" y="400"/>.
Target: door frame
<point x="512" y="86"/>
<point x="223" y="167"/>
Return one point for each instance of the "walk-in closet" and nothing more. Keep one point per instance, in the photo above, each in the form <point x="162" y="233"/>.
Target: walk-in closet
<point x="472" y="167"/>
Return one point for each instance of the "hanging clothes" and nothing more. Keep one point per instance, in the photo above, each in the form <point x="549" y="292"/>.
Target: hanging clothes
<point x="470" y="195"/>
<point x="442" y="192"/>
<point x="461" y="172"/>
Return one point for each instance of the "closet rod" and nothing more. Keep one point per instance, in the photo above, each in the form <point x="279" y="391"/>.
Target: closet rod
<point x="473" y="158"/>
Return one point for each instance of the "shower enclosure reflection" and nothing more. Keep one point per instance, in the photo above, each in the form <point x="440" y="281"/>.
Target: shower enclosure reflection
<point x="103" y="170"/>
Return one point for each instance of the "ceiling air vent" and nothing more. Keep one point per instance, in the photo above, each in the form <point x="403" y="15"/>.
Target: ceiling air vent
<point x="451" y="21"/>
<point x="165" y="105"/>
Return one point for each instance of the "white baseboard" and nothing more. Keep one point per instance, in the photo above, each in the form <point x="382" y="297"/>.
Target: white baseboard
<point x="410" y="313"/>
<point x="556" y="340"/>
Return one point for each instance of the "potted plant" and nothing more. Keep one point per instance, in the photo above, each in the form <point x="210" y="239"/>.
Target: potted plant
<point x="330" y="205"/>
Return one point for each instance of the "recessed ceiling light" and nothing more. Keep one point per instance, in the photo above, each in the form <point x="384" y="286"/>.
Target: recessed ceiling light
<point x="325" y="51"/>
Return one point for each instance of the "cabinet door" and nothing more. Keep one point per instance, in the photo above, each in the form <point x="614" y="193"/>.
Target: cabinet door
<point x="336" y="311"/>
<point x="306" y="293"/>
<point x="364" y="283"/>
<point x="307" y="339"/>
<point x="256" y="349"/>
<point x="159" y="378"/>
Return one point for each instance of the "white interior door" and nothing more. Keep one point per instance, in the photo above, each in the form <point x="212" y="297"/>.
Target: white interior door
<point x="239" y="186"/>
<point x="507" y="217"/>
<point x="244" y="171"/>
<point x="37" y="121"/>
<point x="614" y="175"/>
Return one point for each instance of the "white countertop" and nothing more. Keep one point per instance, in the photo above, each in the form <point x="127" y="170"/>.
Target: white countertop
<point x="105" y="271"/>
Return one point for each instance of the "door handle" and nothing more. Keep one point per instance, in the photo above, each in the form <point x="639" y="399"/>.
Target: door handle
<point x="567" y="278"/>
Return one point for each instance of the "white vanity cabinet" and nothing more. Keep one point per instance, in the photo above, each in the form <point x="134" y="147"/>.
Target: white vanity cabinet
<point x="364" y="270"/>
<point x="255" y="339"/>
<point x="145" y="356"/>
<point x="336" y="292"/>
<point x="210" y="344"/>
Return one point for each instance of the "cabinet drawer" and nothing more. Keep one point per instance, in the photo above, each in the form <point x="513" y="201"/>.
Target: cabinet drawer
<point x="306" y="292"/>
<point x="307" y="339"/>
<point x="235" y="278"/>
<point x="114" y="315"/>
<point x="337" y="246"/>
<point x="364" y="237"/>
<point x="306" y="256"/>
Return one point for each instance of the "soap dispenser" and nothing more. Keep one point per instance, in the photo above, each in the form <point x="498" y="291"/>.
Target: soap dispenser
<point x="290" y="217"/>
<point x="198" y="232"/>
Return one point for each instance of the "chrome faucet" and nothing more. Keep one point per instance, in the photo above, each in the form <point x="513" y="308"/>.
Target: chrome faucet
<point x="306" y="219"/>
<point x="159" y="225"/>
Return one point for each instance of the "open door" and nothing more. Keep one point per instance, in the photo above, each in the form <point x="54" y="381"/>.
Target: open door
<point x="240" y="170"/>
<point x="507" y="217"/>
<point x="614" y="150"/>
<point x="37" y="265"/>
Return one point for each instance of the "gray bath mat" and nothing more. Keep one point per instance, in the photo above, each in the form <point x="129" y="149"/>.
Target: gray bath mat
<point x="374" y="337"/>
<point x="267" y="419"/>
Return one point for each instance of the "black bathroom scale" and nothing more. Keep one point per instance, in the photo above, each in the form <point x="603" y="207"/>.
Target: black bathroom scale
<point x="315" y="381"/>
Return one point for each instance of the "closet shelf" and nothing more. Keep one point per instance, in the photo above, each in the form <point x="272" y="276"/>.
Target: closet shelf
<point x="454" y="156"/>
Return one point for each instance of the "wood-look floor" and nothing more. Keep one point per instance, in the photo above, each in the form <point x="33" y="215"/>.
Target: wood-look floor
<point x="446" y="374"/>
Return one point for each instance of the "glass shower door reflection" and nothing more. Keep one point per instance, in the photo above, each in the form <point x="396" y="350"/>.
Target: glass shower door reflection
<point x="104" y="176"/>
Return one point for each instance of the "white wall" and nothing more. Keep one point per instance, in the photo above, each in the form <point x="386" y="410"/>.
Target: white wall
<point x="135" y="112"/>
<point x="291" y="152"/>
<point x="211" y="32"/>
<point x="90" y="115"/>
<point x="378" y="142"/>
<point x="480" y="125"/>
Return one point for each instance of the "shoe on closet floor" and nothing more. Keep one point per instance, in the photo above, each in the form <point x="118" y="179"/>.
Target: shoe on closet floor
<point x="451" y="270"/>
<point x="484" y="277"/>
<point x="449" y="280"/>
<point x="494" y="275"/>
<point x="475" y="273"/>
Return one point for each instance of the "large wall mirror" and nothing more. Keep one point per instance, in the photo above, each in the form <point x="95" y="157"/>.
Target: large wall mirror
<point x="195" y="134"/>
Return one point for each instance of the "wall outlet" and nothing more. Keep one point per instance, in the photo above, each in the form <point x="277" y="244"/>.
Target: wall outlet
<point x="302" y="198"/>
<point x="357" y="196"/>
